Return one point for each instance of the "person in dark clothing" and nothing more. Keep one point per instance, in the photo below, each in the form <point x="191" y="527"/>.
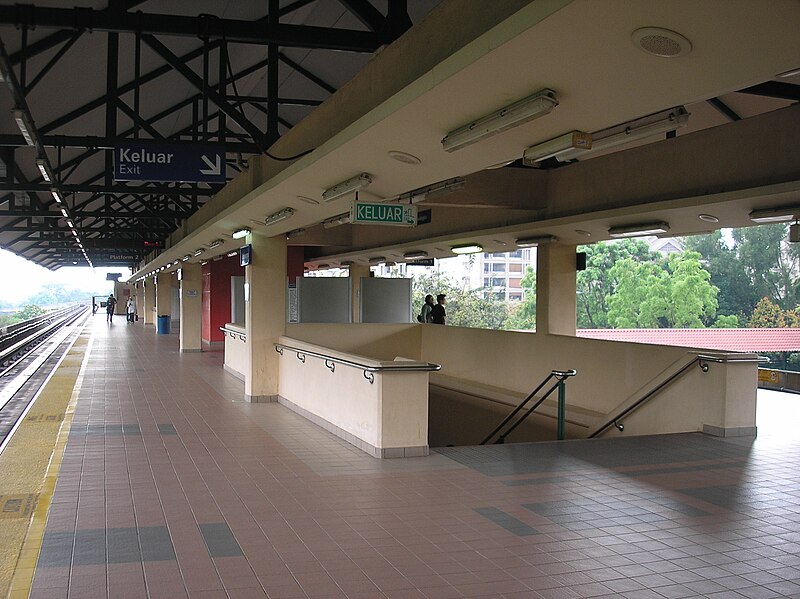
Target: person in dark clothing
<point x="438" y="314"/>
<point x="111" y="303"/>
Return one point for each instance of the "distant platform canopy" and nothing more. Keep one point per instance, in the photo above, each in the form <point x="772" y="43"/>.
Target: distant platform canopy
<point x="740" y="340"/>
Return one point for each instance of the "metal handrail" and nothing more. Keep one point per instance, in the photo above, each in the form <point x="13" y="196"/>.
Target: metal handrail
<point x="233" y="334"/>
<point x="701" y="360"/>
<point x="22" y="338"/>
<point x="561" y="375"/>
<point x="368" y="369"/>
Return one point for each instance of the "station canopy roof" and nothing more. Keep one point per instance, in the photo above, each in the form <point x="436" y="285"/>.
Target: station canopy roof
<point x="311" y="96"/>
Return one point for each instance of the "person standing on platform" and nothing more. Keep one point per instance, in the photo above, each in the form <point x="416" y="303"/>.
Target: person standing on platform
<point x="438" y="314"/>
<point x="111" y="303"/>
<point x="425" y="315"/>
<point x="130" y="308"/>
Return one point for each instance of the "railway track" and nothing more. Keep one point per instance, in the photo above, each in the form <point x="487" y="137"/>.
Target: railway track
<point x="29" y="352"/>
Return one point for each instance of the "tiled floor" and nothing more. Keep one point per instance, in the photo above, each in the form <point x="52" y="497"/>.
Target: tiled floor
<point x="172" y="487"/>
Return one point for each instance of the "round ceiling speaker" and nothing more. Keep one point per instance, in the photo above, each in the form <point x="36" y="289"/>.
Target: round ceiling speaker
<point x="661" y="42"/>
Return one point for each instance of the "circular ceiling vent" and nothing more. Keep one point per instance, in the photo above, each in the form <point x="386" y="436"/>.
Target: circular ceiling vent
<point x="661" y="42"/>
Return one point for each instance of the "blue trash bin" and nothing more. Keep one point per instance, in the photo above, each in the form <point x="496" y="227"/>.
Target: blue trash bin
<point x="162" y="325"/>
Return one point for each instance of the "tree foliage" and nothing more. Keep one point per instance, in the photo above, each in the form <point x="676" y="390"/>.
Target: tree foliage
<point x="465" y="307"/>
<point x="523" y="314"/>
<point x="769" y="315"/>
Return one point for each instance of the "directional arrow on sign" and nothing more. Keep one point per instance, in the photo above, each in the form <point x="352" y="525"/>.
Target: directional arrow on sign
<point x="214" y="168"/>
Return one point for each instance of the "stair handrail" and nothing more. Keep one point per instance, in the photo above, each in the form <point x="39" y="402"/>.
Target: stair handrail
<point x="701" y="360"/>
<point x="561" y="375"/>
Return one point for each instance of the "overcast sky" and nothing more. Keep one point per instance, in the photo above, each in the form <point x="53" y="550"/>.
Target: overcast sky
<point x="22" y="278"/>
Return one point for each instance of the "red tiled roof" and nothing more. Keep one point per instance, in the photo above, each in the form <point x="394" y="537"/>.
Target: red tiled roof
<point x="742" y="340"/>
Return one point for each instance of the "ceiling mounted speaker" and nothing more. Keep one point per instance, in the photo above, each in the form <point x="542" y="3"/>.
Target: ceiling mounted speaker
<point x="661" y="42"/>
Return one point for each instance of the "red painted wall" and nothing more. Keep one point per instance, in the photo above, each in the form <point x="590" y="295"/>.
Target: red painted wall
<point x="217" y="296"/>
<point x="295" y="262"/>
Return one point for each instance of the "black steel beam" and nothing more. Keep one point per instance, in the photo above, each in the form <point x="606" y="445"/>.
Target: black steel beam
<point x="774" y="89"/>
<point x="197" y="82"/>
<point x="306" y="73"/>
<point x="117" y="189"/>
<point x="363" y="10"/>
<point x="212" y="28"/>
<point x="724" y="109"/>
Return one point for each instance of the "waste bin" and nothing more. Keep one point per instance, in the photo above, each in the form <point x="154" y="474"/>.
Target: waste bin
<point x="162" y="325"/>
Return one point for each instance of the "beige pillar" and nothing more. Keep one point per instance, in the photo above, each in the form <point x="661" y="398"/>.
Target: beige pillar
<point x="357" y="271"/>
<point x="146" y="310"/>
<point x="265" y="315"/>
<point x="164" y="294"/>
<point x="555" y="289"/>
<point x="191" y="307"/>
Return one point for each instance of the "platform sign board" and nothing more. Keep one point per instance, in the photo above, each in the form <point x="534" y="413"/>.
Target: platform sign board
<point x="197" y="163"/>
<point x="398" y="215"/>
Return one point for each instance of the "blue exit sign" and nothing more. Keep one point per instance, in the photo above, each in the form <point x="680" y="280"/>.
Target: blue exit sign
<point x="197" y="163"/>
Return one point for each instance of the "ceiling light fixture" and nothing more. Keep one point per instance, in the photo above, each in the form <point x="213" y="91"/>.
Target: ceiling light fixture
<point x="295" y="233"/>
<point x="708" y="218"/>
<point x="239" y="234"/>
<point x="186" y="258"/>
<point x="471" y="248"/>
<point x="323" y="265"/>
<point x="278" y="216"/>
<point x="415" y="255"/>
<point x="583" y="232"/>
<point x="335" y="221"/>
<point x="775" y="215"/>
<point x="431" y="191"/>
<point x="639" y="229"/>
<point x="232" y="254"/>
<point x="44" y="168"/>
<point x="70" y="224"/>
<point x="25" y="125"/>
<point x="64" y="212"/>
<point x="346" y="263"/>
<point x="377" y="259"/>
<point x="529" y="242"/>
<point x="56" y="195"/>
<point x="307" y="200"/>
<point x="527" y="109"/>
<point x="345" y="187"/>
<point x="199" y="251"/>
<point x="653" y="124"/>
<point x="404" y="157"/>
<point x="562" y="143"/>
<point x="216" y="243"/>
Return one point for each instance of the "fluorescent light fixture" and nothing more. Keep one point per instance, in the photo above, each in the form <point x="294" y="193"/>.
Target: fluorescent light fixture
<point x="216" y="243"/>
<point x="24" y="124"/>
<point x="414" y="255"/>
<point x="335" y="221"/>
<point x="553" y="147"/>
<point x="522" y="111"/>
<point x="660" y="122"/>
<point x="241" y="233"/>
<point x="56" y="195"/>
<point x="377" y="259"/>
<point x="346" y="263"/>
<point x="295" y="233"/>
<point x="430" y="191"/>
<point x="278" y="216"/>
<point x="529" y="242"/>
<point x="185" y="258"/>
<point x="75" y="233"/>
<point x="232" y="254"/>
<point x="323" y="265"/>
<point x="70" y="224"/>
<point x="44" y="168"/>
<point x="639" y="229"/>
<point x="346" y="187"/>
<point x="774" y="215"/>
<point x="471" y="248"/>
<point x="199" y="251"/>
<point x="65" y="213"/>
<point x="217" y="258"/>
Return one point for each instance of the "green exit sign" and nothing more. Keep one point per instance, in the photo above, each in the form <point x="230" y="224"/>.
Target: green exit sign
<point x="365" y="213"/>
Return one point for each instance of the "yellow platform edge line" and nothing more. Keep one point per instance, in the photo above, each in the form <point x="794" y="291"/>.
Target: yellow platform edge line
<point x="25" y="569"/>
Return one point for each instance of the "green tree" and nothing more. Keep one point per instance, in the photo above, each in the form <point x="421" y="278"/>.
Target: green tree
<point x="30" y="311"/>
<point x="769" y="315"/>
<point x="726" y="322"/>
<point x="675" y="292"/>
<point x="596" y="284"/>
<point x="770" y="262"/>
<point x="523" y="315"/>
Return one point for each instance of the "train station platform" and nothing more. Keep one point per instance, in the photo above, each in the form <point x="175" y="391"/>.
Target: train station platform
<point x="170" y="485"/>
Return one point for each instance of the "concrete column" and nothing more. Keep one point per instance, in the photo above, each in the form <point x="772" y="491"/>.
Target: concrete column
<point x="163" y="294"/>
<point x="265" y="315"/>
<point x="191" y="308"/>
<point x="149" y="301"/>
<point x="357" y="271"/>
<point x="555" y="289"/>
